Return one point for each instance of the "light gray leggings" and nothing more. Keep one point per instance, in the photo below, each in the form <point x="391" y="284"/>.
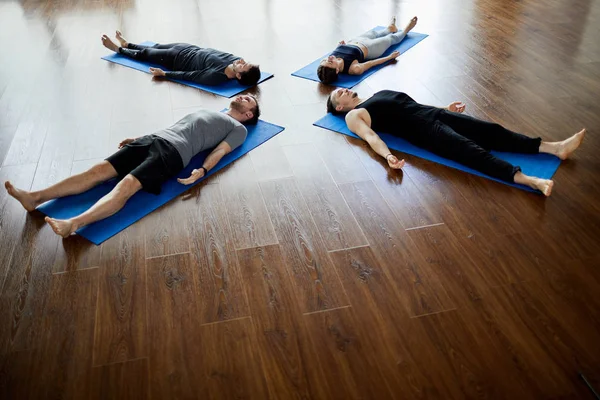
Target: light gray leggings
<point x="377" y="42"/>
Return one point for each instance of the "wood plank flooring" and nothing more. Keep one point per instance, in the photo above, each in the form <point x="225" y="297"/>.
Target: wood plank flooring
<point x="307" y="269"/>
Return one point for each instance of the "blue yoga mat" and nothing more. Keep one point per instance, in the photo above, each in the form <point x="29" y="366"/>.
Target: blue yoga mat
<point x="540" y="165"/>
<point x="143" y="203"/>
<point x="347" y="81"/>
<point x="228" y="89"/>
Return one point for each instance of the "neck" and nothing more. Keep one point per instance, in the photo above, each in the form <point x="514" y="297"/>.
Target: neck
<point x="234" y="114"/>
<point x="229" y="71"/>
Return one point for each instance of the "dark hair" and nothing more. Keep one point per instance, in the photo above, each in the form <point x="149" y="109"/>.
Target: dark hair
<point x="327" y="74"/>
<point x="255" y="112"/>
<point x="331" y="107"/>
<point x="250" y="77"/>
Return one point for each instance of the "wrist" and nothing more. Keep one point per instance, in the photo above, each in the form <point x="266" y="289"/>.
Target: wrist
<point x="205" y="170"/>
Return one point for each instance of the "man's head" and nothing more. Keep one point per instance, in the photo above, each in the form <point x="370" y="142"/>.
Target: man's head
<point x="329" y="68"/>
<point x="246" y="108"/>
<point x="247" y="74"/>
<point x="341" y="101"/>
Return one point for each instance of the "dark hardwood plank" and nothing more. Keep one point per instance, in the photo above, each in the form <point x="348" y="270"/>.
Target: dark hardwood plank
<point x="173" y="329"/>
<point x="275" y="314"/>
<point x="27" y="143"/>
<point x="7" y="133"/>
<point x="341" y="161"/>
<point x="68" y="328"/>
<point x="230" y="360"/>
<point x="121" y="314"/>
<point x="423" y="291"/>
<point x="343" y="348"/>
<point x="28" y="284"/>
<point x="75" y="254"/>
<point x="12" y="214"/>
<point x="126" y="380"/>
<point x="56" y="157"/>
<point x="213" y="257"/>
<point x="315" y="281"/>
<point x="333" y="219"/>
<point x="270" y="161"/>
<point x="377" y="303"/>
<point x="166" y="230"/>
<point x="447" y="258"/>
<point x="399" y="191"/>
<point x="246" y="210"/>
<point x="14" y="375"/>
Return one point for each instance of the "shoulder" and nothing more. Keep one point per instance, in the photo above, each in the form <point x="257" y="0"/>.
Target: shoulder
<point x="356" y="68"/>
<point x="358" y="114"/>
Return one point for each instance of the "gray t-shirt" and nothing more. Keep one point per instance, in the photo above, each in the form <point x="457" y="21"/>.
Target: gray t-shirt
<point x="203" y="130"/>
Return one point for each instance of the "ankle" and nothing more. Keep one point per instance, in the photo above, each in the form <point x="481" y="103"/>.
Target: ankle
<point x="36" y="197"/>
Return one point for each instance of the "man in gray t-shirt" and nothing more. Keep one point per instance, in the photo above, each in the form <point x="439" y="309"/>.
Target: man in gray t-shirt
<point x="148" y="161"/>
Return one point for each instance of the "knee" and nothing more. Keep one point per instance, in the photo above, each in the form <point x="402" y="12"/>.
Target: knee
<point x="102" y="171"/>
<point x="128" y="186"/>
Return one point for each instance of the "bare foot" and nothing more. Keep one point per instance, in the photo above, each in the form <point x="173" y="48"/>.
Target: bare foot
<point x="62" y="227"/>
<point x="411" y="25"/>
<point x="392" y="26"/>
<point x="569" y="145"/>
<point x="109" y="44"/>
<point x="543" y="185"/>
<point x="124" y="43"/>
<point x="25" y="198"/>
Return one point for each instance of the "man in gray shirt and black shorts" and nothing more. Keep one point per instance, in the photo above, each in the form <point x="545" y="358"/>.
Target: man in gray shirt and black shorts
<point x="188" y="62"/>
<point x="147" y="162"/>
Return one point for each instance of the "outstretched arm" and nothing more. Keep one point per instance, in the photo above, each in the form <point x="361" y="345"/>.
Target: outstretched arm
<point x="211" y="160"/>
<point x="361" y="68"/>
<point x="201" y="77"/>
<point x="359" y="122"/>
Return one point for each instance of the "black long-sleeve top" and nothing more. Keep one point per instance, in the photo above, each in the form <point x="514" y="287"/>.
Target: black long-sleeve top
<point x="203" y="66"/>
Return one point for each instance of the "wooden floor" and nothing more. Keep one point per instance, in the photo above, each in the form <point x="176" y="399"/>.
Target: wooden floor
<point x="307" y="269"/>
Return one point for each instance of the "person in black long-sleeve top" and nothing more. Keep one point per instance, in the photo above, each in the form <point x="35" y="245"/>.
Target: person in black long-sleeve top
<point x="188" y="62"/>
<point x="445" y="132"/>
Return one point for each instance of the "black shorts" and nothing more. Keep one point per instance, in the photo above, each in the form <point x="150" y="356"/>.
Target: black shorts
<point x="151" y="159"/>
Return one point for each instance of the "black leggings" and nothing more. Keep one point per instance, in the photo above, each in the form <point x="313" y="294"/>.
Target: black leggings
<point x="468" y="140"/>
<point x="161" y="54"/>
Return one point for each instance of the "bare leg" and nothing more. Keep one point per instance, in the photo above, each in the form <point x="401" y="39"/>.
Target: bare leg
<point x="563" y="149"/>
<point x="73" y="185"/>
<point x="124" y="43"/>
<point x="109" y="44"/>
<point x="104" y="208"/>
<point x="543" y="185"/>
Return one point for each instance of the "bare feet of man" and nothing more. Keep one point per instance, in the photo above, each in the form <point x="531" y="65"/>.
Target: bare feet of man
<point x="62" y="227"/>
<point x="109" y="44"/>
<point x="24" y="197"/>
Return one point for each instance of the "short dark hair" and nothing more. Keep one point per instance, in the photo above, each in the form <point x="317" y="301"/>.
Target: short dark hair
<point x="331" y="107"/>
<point x="327" y="74"/>
<point x="250" y="77"/>
<point x="255" y="112"/>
